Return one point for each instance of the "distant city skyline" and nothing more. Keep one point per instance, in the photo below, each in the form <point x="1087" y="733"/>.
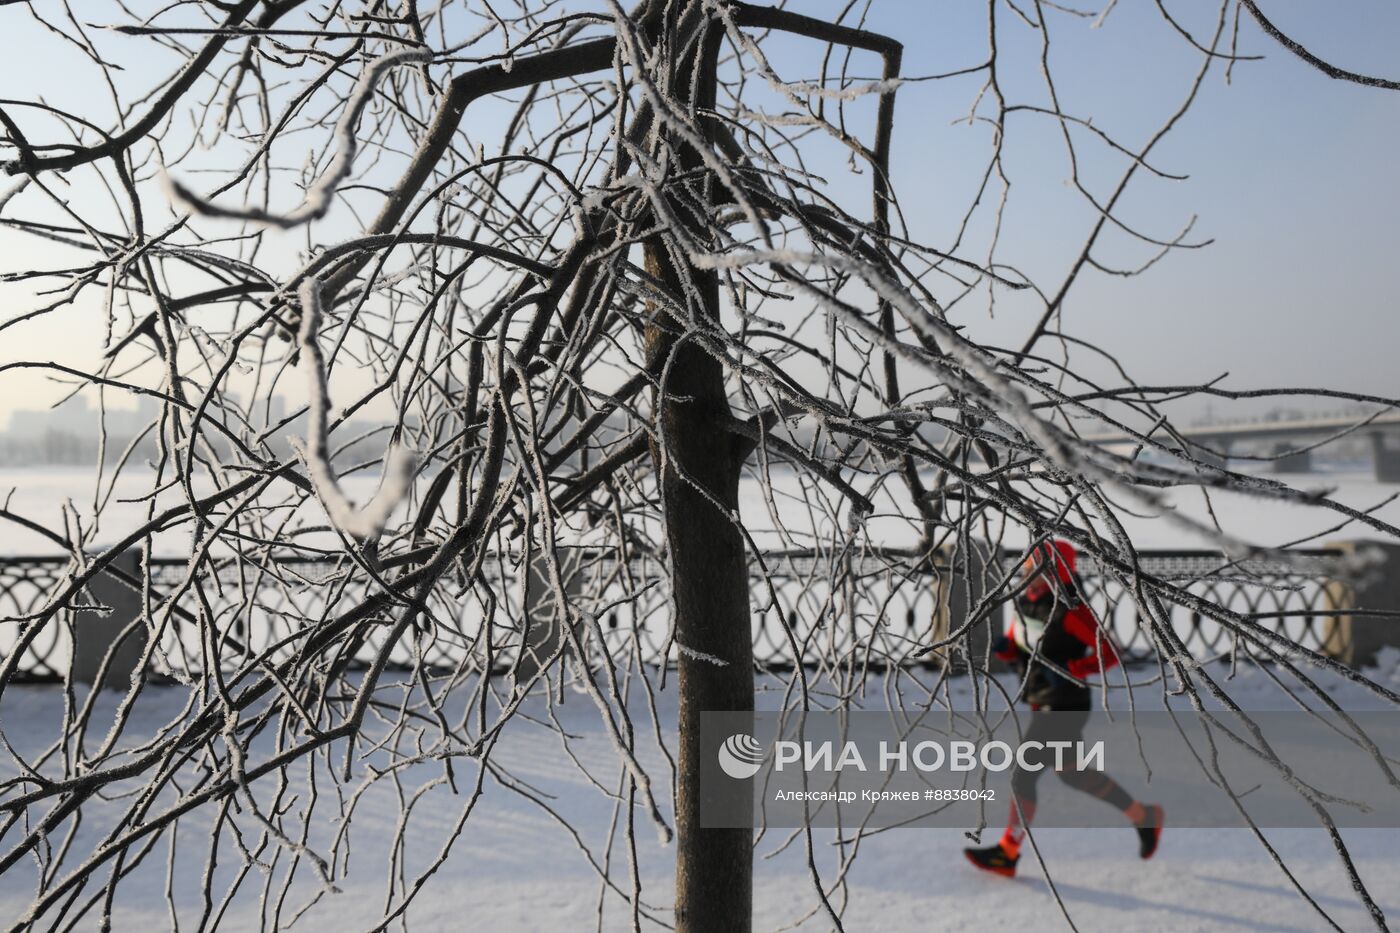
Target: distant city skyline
<point x="76" y="414"/>
<point x="68" y="433"/>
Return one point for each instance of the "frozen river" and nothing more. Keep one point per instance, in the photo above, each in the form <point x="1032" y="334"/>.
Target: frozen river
<point x="40" y="493"/>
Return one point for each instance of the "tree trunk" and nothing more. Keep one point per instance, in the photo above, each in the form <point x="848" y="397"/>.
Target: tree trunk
<point x="714" y="867"/>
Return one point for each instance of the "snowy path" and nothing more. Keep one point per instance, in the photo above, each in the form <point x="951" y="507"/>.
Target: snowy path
<point x="514" y="868"/>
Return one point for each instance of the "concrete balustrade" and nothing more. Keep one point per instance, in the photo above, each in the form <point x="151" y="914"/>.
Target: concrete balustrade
<point x="1355" y="639"/>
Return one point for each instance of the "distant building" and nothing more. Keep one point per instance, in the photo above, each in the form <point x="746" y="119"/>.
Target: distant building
<point x="71" y="433"/>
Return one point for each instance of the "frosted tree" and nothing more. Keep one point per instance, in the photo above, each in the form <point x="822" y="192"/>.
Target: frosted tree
<point x="541" y="286"/>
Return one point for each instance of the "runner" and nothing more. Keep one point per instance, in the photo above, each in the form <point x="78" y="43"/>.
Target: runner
<point x="1054" y="644"/>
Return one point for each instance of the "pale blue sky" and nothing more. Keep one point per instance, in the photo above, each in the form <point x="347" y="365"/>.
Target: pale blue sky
<point x="1294" y="176"/>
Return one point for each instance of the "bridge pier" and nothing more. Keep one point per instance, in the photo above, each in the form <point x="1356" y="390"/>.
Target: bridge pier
<point x="1385" y="455"/>
<point x="1217" y="456"/>
<point x="1300" y="461"/>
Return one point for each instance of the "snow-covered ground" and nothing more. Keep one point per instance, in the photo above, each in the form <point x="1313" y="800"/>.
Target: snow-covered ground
<point x="515" y="867"/>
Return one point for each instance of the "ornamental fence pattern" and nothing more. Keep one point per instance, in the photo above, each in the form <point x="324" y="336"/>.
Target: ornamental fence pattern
<point x="866" y="612"/>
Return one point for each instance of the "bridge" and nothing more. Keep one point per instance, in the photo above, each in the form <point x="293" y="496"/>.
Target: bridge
<point x="1294" y="440"/>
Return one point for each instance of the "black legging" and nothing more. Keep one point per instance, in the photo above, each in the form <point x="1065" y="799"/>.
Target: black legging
<point x="1063" y="726"/>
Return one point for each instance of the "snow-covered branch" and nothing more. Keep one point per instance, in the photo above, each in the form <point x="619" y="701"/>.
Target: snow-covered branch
<point x="321" y="194"/>
<point x="363" y="522"/>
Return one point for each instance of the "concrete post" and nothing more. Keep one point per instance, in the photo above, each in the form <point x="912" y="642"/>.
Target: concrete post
<point x="959" y="585"/>
<point x="96" y="633"/>
<point x="544" y="632"/>
<point x="1355" y="639"/>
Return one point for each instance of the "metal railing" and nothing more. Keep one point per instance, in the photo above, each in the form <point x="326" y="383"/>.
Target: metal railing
<point x="873" y="610"/>
<point x="879" y="610"/>
<point x="26" y="585"/>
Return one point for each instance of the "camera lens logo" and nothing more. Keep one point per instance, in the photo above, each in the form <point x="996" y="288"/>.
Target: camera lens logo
<point x="740" y="756"/>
